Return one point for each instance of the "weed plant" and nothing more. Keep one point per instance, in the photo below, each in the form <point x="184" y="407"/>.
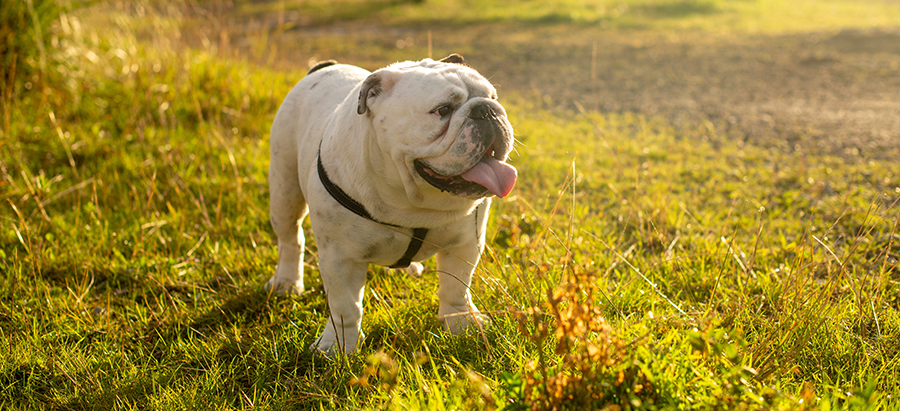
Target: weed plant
<point x="637" y="266"/>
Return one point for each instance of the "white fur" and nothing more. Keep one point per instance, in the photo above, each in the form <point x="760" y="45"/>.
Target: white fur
<point x="370" y="156"/>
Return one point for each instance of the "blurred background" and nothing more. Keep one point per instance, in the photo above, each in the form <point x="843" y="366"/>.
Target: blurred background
<point x="807" y="74"/>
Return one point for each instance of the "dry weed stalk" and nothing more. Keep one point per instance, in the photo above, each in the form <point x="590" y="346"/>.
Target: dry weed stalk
<point x="592" y="368"/>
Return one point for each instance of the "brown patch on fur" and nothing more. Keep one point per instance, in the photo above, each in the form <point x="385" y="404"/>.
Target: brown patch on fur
<point x="454" y="59"/>
<point x="321" y="65"/>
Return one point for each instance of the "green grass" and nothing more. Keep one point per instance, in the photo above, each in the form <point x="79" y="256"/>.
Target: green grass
<point x="134" y="242"/>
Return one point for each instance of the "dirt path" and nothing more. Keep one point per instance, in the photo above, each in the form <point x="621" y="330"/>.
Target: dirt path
<point x="836" y="92"/>
<point x="813" y="90"/>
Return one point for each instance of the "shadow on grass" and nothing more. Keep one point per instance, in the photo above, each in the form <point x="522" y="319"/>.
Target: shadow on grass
<point x="215" y="346"/>
<point x="623" y="15"/>
<point x="635" y="16"/>
<point x="246" y="342"/>
<point x="680" y="9"/>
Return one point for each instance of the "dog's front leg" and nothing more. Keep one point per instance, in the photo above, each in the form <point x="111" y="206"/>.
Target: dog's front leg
<point x="455" y="268"/>
<point x="344" y="283"/>
<point x="456" y="309"/>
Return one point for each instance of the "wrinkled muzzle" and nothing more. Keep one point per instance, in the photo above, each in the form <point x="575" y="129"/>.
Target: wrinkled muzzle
<point x="475" y="163"/>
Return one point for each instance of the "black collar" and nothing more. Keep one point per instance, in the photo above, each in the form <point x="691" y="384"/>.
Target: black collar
<point x="418" y="236"/>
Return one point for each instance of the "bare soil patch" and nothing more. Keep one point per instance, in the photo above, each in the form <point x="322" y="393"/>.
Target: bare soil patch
<point x="832" y="92"/>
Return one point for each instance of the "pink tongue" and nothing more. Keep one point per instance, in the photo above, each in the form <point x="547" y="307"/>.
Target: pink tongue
<point x="498" y="177"/>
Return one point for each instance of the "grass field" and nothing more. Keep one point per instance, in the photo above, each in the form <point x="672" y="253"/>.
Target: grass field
<point x="647" y="259"/>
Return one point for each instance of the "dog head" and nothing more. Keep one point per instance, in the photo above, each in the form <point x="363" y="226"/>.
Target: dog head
<point x="441" y="123"/>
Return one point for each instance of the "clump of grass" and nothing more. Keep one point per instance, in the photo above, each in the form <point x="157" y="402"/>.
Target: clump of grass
<point x="595" y="369"/>
<point x="758" y="302"/>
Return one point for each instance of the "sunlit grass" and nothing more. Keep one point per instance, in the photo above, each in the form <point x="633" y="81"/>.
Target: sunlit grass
<point x="134" y="240"/>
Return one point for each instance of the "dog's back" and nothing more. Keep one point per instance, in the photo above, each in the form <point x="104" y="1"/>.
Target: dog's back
<point x="312" y="99"/>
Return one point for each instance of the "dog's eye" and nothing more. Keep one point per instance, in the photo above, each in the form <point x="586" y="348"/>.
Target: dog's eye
<point x="442" y="111"/>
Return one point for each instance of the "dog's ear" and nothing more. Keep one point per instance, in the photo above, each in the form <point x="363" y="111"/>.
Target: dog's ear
<point x="372" y="87"/>
<point x="454" y="59"/>
<point x="376" y="85"/>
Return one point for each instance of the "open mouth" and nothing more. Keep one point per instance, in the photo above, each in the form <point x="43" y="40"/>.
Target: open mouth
<point x="450" y="184"/>
<point x="488" y="176"/>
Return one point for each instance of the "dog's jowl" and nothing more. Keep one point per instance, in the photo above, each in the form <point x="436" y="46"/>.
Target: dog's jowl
<point x="392" y="167"/>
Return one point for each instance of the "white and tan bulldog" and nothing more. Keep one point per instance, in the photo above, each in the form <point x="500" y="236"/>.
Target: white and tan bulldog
<point x="393" y="167"/>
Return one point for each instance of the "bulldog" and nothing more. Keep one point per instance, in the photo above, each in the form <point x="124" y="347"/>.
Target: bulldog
<point x="392" y="167"/>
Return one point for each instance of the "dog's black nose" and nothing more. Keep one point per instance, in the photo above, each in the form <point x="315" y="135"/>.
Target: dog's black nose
<point x="481" y="111"/>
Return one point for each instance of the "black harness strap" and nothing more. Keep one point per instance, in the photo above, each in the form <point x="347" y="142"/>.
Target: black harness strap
<point x="414" y="245"/>
<point x="418" y="236"/>
<point x="341" y="197"/>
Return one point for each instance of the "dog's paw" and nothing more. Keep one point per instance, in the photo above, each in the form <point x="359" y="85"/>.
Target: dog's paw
<point x="415" y="269"/>
<point x="329" y="346"/>
<point x="461" y="322"/>
<point x="284" y="287"/>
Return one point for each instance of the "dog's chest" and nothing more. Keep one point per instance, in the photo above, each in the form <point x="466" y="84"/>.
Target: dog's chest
<point x="385" y="245"/>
